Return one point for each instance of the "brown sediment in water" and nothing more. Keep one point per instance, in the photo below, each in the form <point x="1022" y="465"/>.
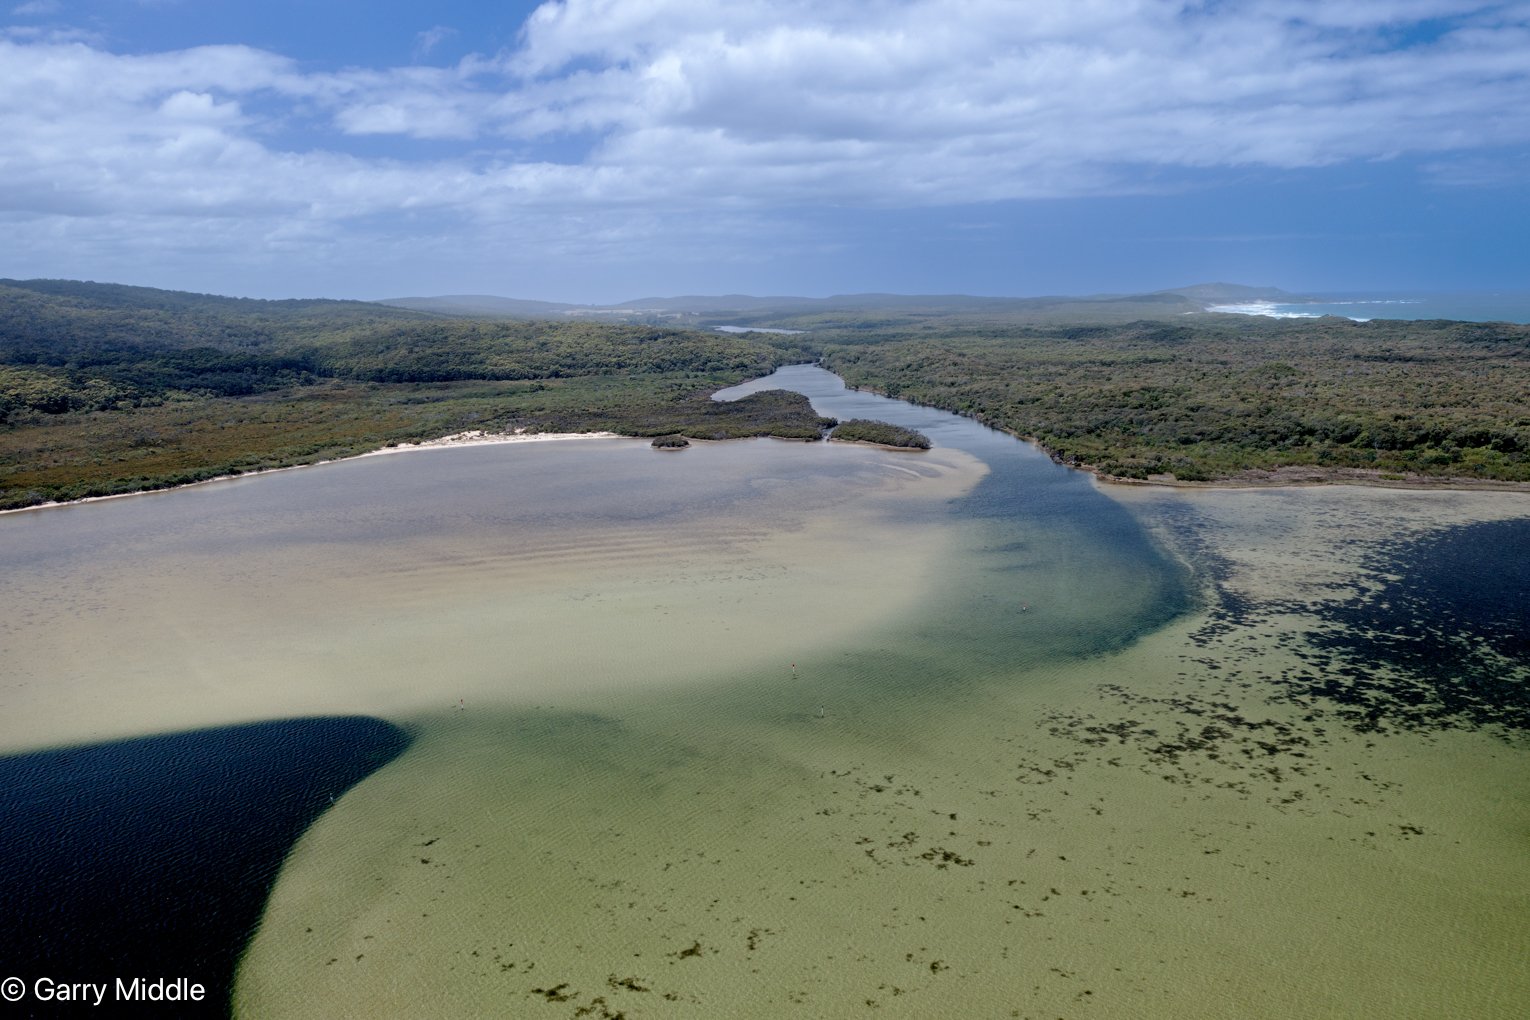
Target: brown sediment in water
<point x="1156" y="832"/>
<point x="167" y="634"/>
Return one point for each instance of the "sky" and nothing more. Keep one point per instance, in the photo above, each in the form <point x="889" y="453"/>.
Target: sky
<point x="604" y="150"/>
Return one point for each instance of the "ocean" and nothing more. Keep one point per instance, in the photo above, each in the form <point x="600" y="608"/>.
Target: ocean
<point x="1469" y="306"/>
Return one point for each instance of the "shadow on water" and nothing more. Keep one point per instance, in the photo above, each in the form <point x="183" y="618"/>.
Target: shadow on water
<point x="153" y="857"/>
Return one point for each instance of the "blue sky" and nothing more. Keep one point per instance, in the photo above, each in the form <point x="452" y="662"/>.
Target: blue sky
<point x="599" y="150"/>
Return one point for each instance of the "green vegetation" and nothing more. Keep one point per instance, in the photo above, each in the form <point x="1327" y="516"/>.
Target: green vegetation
<point x="865" y="430"/>
<point x="108" y="389"/>
<point x="1222" y="396"/>
<point x="670" y="443"/>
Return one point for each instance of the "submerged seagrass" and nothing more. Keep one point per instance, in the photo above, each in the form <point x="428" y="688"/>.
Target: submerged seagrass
<point x="771" y="728"/>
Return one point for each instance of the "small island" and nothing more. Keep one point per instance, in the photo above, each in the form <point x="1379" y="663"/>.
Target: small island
<point x="670" y="443"/>
<point x="866" y="430"/>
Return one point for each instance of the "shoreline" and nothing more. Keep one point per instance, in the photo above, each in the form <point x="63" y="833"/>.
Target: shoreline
<point x="1257" y="478"/>
<point x="1284" y="477"/>
<point x="879" y="446"/>
<point x="1312" y="478"/>
<point x="453" y="441"/>
<point x="478" y="437"/>
<point x="473" y="437"/>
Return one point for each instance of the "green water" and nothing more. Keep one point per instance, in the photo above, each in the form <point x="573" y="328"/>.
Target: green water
<point x="764" y="729"/>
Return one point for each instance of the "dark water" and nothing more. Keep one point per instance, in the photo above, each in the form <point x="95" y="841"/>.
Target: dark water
<point x="153" y="857"/>
<point x="1451" y="627"/>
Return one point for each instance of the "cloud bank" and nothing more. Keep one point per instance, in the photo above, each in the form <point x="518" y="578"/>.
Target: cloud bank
<point x="609" y="113"/>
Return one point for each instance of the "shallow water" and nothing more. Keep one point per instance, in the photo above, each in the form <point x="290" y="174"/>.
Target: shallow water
<point x="132" y="858"/>
<point x="432" y="579"/>
<point x="762" y="728"/>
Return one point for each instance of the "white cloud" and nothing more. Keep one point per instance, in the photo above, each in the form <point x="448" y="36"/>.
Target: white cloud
<point x="426" y="41"/>
<point x="951" y="101"/>
<point x="618" y="111"/>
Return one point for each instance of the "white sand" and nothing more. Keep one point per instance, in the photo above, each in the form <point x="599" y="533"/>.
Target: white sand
<point x="477" y="437"/>
<point x="457" y="439"/>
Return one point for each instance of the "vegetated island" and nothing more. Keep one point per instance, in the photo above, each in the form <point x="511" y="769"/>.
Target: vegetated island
<point x="107" y="389"/>
<point x="881" y="433"/>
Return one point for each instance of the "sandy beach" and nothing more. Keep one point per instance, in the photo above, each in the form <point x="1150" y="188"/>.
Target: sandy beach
<point x="478" y="437"/>
<point x="453" y="441"/>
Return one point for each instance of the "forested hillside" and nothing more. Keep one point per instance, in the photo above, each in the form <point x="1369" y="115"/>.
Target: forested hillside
<point x="94" y="346"/>
<point x="106" y="388"/>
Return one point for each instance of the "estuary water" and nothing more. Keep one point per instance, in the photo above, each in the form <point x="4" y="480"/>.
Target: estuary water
<point x="764" y="728"/>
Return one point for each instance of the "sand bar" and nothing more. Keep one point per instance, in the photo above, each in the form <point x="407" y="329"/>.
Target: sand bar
<point x="504" y="576"/>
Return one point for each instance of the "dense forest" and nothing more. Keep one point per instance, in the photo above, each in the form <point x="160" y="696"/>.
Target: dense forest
<point x="77" y="346"/>
<point x="866" y="430"/>
<point x="1226" y="397"/>
<point x="106" y="388"/>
